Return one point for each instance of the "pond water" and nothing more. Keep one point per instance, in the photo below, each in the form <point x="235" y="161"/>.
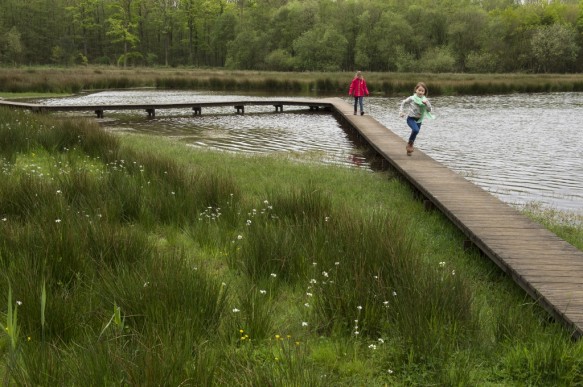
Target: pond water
<point x="522" y="148"/>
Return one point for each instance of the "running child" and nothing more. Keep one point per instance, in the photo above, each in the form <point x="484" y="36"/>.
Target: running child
<point x="418" y="108"/>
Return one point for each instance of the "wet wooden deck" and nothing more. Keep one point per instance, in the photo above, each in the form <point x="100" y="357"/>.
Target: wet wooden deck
<point x="549" y="269"/>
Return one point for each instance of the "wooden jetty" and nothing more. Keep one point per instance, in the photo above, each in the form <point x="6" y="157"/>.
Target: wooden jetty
<point x="548" y="268"/>
<point x="150" y="109"/>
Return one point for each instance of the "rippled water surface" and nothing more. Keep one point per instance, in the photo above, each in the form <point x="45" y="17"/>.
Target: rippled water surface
<point x="521" y="147"/>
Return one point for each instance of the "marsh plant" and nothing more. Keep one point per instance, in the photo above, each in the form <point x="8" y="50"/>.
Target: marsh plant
<point x="83" y="78"/>
<point x="133" y="261"/>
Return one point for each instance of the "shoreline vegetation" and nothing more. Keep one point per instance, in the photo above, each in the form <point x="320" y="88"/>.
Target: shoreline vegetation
<point x="86" y="78"/>
<point x="134" y="260"/>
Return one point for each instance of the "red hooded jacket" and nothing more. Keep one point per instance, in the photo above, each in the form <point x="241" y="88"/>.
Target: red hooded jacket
<point x="358" y="87"/>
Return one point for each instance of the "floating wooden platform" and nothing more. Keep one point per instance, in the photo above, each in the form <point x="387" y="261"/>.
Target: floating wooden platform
<point x="549" y="269"/>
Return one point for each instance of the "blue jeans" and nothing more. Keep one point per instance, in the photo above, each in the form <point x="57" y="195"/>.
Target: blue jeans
<point x="360" y="101"/>
<point x="415" y="128"/>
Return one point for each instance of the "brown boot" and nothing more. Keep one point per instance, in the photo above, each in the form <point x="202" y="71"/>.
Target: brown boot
<point x="409" y="148"/>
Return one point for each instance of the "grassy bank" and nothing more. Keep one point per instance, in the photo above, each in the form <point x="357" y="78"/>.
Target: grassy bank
<point x="74" y="80"/>
<point x="139" y="261"/>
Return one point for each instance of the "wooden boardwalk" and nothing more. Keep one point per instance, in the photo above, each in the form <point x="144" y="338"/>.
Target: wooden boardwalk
<point x="549" y="269"/>
<point x="150" y="109"/>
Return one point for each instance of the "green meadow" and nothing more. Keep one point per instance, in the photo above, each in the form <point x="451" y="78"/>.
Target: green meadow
<point x="134" y="260"/>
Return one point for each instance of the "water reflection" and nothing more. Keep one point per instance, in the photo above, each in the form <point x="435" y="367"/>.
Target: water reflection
<point x="521" y="148"/>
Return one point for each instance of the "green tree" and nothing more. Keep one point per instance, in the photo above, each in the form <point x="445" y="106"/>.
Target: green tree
<point x="122" y="27"/>
<point x="247" y="51"/>
<point x="321" y="49"/>
<point x="428" y="27"/>
<point x="365" y="46"/>
<point x="165" y="20"/>
<point x="393" y="37"/>
<point x="507" y="39"/>
<point x="40" y="24"/>
<point x="84" y="24"/>
<point x="222" y="32"/>
<point x="554" y="48"/>
<point x="465" y="32"/>
<point x="11" y="48"/>
<point x="289" y="22"/>
<point x="579" y="24"/>
<point x="280" y="60"/>
<point x="437" y="60"/>
<point x="200" y="17"/>
<point x="376" y="35"/>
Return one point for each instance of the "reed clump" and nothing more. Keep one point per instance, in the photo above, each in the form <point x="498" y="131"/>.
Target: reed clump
<point x="83" y="78"/>
<point x="139" y="260"/>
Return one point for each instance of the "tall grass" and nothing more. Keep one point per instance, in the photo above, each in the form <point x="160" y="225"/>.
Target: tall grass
<point x="73" y="80"/>
<point x="142" y="262"/>
<point x="564" y="223"/>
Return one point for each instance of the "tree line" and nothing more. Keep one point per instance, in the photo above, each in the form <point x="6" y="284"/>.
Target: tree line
<point x="482" y="36"/>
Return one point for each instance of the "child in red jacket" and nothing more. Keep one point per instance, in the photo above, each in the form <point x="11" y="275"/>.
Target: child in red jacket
<point x="358" y="89"/>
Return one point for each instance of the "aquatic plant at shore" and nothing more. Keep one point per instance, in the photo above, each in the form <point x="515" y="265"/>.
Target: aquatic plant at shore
<point x="77" y="79"/>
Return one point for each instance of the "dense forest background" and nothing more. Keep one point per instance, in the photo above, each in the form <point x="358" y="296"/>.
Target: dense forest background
<point x="297" y="35"/>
